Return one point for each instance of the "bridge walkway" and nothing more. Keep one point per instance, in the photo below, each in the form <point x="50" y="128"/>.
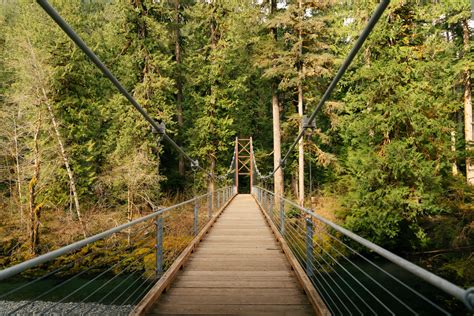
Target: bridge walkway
<point x="238" y="268"/>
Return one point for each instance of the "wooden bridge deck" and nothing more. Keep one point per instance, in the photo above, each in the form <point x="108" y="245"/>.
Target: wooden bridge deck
<point x="237" y="269"/>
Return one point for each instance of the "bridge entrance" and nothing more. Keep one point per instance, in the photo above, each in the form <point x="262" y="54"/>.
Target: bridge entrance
<point x="243" y="165"/>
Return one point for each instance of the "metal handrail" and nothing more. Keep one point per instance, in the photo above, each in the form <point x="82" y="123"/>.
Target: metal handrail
<point x="18" y="268"/>
<point x="464" y="295"/>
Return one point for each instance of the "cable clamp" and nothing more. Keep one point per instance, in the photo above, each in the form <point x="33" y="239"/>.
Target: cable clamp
<point x="194" y="165"/>
<point x="161" y="127"/>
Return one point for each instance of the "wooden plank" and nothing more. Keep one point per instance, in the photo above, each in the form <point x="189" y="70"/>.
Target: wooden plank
<point x="268" y="274"/>
<point x="251" y="284"/>
<point x="209" y="251"/>
<point x="218" y="267"/>
<point x="250" y="245"/>
<point x="239" y="260"/>
<point x="234" y="277"/>
<point x="253" y="238"/>
<point x="205" y="291"/>
<point x="163" y="309"/>
<point x="236" y="299"/>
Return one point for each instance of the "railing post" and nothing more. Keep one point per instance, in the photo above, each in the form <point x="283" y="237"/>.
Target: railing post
<point x="271" y="206"/>
<point x="309" y="247"/>
<point x="196" y="216"/>
<point x="209" y="208"/>
<point x="265" y="201"/>
<point x="282" y="216"/>
<point x="159" y="246"/>
<point x="218" y="200"/>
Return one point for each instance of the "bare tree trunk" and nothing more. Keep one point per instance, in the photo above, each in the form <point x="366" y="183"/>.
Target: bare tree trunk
<point x="35" y="209"/>
<point x="211" y="113"/>
<point x="294" y="184"/>
<point x="454" y="167"/>
<point x="18" y="170"/>
<point x="129" y="213"/>
<point x="278" y="176"/>
<point x="467" y="106"/>
<point x="300" y="149"/>
<point x="179" y="83"/>
<point x="62" y="151"/>
<point x="211" y="184"/>
<point x="72" y="182"/>
<point x="300" y="114"/>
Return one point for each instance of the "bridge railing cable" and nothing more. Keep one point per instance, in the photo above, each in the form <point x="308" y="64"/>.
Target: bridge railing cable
<point x="111" y="271"/>
<point x="355" y="276"/>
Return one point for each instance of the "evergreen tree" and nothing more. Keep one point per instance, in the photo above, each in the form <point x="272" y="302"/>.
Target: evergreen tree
<point x="396" y="125"/>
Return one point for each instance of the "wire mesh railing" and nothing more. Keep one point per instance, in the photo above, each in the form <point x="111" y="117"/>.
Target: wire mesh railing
<point x="108" y="273"/>
<point x="354" y="276"/>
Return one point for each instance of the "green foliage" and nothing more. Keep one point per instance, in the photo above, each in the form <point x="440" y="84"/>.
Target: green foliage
<point x="396" y="122"/>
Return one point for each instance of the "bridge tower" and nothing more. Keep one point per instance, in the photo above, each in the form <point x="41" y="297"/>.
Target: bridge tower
<point x="243" y="160"/>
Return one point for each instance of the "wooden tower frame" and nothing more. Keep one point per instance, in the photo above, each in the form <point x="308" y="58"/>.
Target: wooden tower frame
<point x="243" y="160"/>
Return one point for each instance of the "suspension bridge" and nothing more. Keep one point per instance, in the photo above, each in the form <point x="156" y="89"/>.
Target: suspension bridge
<point x="227" y="252"/>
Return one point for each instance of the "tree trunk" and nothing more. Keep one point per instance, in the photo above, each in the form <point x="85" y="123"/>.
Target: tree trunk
<point x="294" y="184"/>
<point x="212" y="110"/>
<point x="62" y="151"/>
<point x="300" y="113"/>
<point x="278" y="176"/>
<point x="211" y="184"/>
<point x="300" y="149"/>
<point x="18" y="171"/>
<point x="467" y="106"/>
<point x="179" y="83"/>
<point x="129" y="213"/>
<point x="70" y="174"/>
<point x="35" y="209"/>
<point x="454" y="166"/>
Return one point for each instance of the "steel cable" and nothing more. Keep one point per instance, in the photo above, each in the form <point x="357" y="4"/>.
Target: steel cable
<point x="110" y="280"/>
<point x="329" y="275"/>
<point x="368" y="276"/>
<point x="330" y="287"/>
<point x="389" y="275"/>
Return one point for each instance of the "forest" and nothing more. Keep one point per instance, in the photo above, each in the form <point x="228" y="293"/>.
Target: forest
<point x="390" y="157"/>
